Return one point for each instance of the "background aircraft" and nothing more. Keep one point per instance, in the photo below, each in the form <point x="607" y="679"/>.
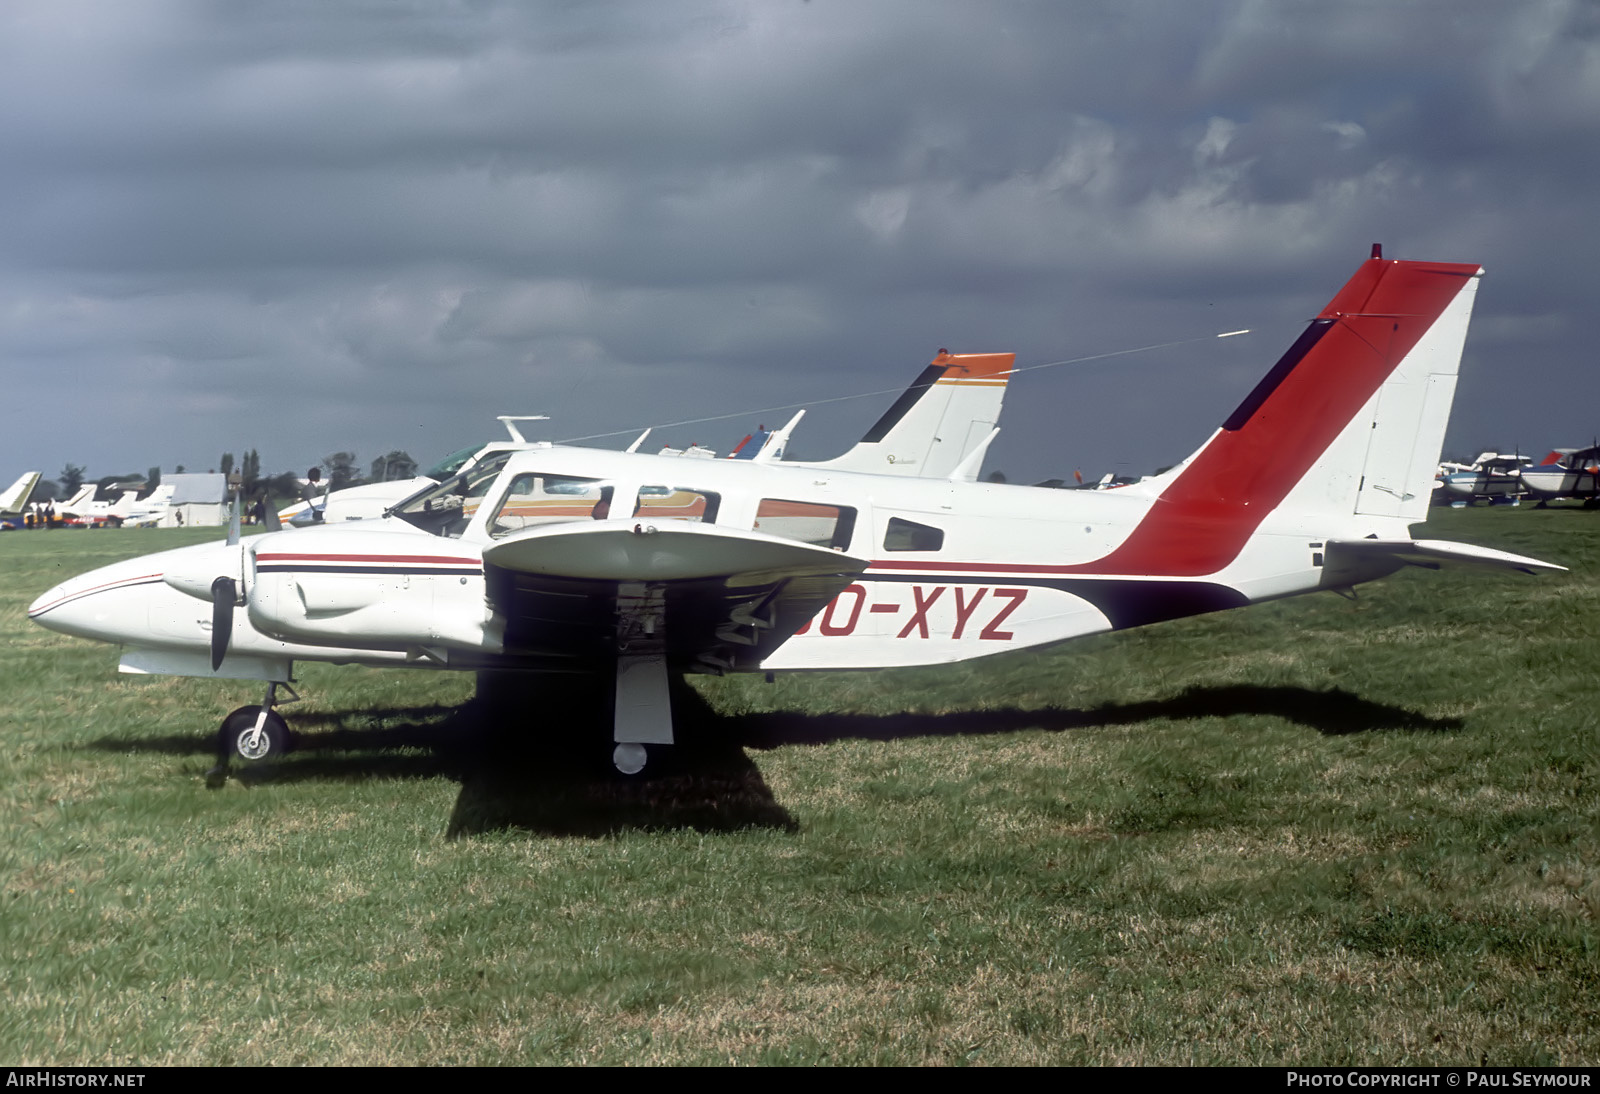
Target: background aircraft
<point x="635" y="568"/>
<point x="1492" y="477"/>
<point x="1566" y="473"/>
<point x="949" y="412"/>
<point x="14" y="501"/>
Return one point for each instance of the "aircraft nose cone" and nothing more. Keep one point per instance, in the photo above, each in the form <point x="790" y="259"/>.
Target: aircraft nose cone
<point x="127" y="602"/>
<point x="94" y="605"/>
<point x="45" y="600"/>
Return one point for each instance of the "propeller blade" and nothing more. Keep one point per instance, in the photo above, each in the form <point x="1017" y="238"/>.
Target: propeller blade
<point x="223" y="593"/>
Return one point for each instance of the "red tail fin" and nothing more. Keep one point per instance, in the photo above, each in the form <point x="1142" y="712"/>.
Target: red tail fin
<point x="1296" y="413"/>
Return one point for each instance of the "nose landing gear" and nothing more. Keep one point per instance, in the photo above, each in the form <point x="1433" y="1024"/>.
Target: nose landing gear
<point x="252" y="735"/>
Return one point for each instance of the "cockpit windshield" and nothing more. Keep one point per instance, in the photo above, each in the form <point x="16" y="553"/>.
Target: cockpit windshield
<point x="447" y="509"/>
<point x="453" y="462"/>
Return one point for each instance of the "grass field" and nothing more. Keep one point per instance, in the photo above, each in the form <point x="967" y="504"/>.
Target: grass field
<point x="1315" y="831"/>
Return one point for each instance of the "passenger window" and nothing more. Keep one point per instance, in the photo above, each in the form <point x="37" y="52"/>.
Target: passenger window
<point x="534" y="499"/>
<point x="677" y="503"/>
<point x="818" y="525"/>
<point x="906" y="535"/>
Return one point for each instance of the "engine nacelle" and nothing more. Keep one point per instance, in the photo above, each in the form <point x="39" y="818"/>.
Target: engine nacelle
<point x="383" y="590"/>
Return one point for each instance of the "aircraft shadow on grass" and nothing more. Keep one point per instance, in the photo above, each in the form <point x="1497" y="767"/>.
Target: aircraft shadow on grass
<point x="536" y="767"/>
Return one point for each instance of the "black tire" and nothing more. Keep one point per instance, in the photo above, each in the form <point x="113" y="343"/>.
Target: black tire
<point x="234" y="736"/>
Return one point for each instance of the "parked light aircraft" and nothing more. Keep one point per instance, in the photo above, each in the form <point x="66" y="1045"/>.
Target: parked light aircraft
<point x="637" y="567"/>
<point x="77" y="504"/>
<point x="84" y="511"/>
<point x="947" y="413"/>
<point x="1566" y="473"/>
<point x="149" y="512"/>
<point x="1492" y="477"/>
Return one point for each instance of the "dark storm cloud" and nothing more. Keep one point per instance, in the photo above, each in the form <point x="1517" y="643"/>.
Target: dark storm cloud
<point x="305" y="227"/>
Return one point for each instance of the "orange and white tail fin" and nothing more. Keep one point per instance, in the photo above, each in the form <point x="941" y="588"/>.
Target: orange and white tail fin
<point x="937" y="422"/>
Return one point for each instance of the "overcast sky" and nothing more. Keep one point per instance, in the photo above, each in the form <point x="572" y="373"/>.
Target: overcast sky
<point x="305" y="227"/>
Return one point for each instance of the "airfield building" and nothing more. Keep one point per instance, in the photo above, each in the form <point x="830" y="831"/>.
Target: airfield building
<point x="196" y="500"/>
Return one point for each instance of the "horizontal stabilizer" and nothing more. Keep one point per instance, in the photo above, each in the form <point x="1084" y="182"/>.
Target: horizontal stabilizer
<point x="1349" y="561"/>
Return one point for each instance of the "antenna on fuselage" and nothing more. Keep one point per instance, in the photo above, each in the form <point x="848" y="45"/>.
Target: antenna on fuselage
<point x="516" y="434"/>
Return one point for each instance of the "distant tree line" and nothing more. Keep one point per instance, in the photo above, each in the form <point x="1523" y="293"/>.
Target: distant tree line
<point x="342" y="469"/>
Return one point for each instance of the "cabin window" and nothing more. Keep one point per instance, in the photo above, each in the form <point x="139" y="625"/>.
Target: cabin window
<point x="908" y="535"/>
<point x="677" y="503"/>
<point x="533" y="499"/>
<point x="818" y="525"/>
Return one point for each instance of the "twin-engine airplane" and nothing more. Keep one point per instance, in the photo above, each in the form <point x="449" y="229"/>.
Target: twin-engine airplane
<point x="638" y="567"/>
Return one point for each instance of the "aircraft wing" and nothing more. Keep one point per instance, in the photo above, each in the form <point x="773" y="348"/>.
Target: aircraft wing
<point x="700" y="595"/>
<point x="1349" y="561"/>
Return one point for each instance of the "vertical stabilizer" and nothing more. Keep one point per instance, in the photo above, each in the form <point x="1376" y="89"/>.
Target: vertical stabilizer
<point x="1348" y="423"/>
<point x="79" y="504"/>
<point x="937" y="422"/>
<point x="16" y="496"/>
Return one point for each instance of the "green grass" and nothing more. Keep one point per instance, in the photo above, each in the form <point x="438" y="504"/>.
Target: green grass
<point x="1314" y="831"/>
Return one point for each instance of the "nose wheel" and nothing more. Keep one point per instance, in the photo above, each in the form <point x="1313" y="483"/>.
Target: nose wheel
<point x="252" y="735"/>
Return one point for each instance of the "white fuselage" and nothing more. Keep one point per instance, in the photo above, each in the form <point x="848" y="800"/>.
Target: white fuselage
<point x="1558" y="481"/>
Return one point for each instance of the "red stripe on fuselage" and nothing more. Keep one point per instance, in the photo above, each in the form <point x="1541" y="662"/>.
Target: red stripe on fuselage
<point x="1203" y="520"/>
<point x="264" y="557"/>
<point x="75" y="594"/>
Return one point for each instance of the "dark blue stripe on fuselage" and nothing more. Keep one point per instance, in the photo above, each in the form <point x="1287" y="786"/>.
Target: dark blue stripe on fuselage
<point x="465" y="571"/>
<point x="1126" y="603"/>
